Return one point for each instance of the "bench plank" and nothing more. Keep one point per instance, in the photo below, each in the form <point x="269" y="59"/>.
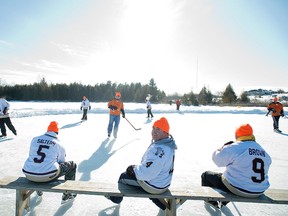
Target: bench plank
<point x="25" y="187"/>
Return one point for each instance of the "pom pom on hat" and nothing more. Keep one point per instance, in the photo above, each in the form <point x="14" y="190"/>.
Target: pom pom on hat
<point x="244" y="130"/>
<point x="162" y="124"/>
<point x="53" y="126"/>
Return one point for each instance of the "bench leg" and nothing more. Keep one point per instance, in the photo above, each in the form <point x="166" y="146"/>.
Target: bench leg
<point x="22" y="201"/>
<point x="172" y="209"/>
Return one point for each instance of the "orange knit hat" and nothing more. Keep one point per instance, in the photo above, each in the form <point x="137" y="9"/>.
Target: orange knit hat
<point x="53" y="126"/>
<point x="275" y="99"/>
<point x="244" y="130"/>
<point x="162" y="124"/>
<point x="118" y="94"/>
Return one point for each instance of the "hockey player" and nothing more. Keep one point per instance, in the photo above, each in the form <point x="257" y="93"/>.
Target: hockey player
<point x="46" y="161"/>
<point x="277" y="110"/>
<point x="116" y="107"/>
<point x="85" y="105"/>
<point x="154" y="173"/>
<point x="149" y="108"/>
<point x="247" y="165"/>
<point x="4" y="118"/>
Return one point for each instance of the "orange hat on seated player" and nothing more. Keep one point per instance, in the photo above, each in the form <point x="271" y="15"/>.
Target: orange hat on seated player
<point x="162" y="124"/>
<point x="53" y="126"/>
<point x="244" y="132"/>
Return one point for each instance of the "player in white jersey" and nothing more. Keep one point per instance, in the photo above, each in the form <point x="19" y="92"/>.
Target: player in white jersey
<point x="46" y="161"/>
<point x="85" y="105"/>
<point x="247" y="165"/>
<point x="154" y="173"/>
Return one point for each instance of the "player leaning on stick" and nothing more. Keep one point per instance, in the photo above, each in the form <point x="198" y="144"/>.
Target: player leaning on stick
<point x="247" y="165"/>
<point x="116" y="107"/>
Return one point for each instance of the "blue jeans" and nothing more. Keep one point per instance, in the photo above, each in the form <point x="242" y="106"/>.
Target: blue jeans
<point x="113" y="119"/>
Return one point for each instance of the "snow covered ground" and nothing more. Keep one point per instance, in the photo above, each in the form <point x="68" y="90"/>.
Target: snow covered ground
<point x="198" y="131"/>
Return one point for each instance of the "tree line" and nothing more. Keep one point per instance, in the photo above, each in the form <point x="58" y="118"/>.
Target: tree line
<point x="133" y="92"/>
<point x="73" y="92"/>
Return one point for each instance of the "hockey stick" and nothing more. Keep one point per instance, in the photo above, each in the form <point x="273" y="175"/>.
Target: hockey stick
<point x="132" y="125"/>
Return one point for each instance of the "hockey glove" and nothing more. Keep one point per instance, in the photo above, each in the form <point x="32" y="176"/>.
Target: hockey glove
<point x="5" y="110"/>
<point x="80" y="108"/>
<point x="229" y="143"/>
<point x="89" y="107"/>
<point x="130" y="170"/>
<point x="123" y="113"/>
<point x="112" y="107"/>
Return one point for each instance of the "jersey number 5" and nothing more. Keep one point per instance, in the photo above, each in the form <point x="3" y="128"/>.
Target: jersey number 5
<point x="41" y="154"/>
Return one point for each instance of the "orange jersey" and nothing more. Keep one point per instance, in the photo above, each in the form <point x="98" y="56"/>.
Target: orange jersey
<point x="276" y="108"/>
<point x="115" y="106"/>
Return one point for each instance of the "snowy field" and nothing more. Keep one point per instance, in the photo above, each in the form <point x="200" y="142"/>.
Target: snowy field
<point x="198" y="131"/>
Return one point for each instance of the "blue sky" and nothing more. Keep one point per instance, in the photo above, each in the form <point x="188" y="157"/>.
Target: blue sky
<point x="183" y="45"/>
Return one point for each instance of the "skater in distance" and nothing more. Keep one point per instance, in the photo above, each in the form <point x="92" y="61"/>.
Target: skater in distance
<point x="85" y="105"/>
<point x="277" y="110"/>
<point x="5" y="118"/>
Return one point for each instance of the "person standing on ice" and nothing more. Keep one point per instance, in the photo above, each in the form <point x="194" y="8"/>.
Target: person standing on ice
<point x="247" y="165"/>
<point x="149" y="108"/>
<point x="46" y="161"/>
<point x="154" y="173"/>
<point x="85" y="105"/>
<point x="178" y="103"/>
<point x="4" y="118"/>
<point x="277" y="110"/>
<point x="116" y="107"/>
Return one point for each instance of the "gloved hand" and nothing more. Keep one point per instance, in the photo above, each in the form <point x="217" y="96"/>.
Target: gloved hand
<point x="130" y="170"/>
<point x="89" y="107"/>
<point x="112" y="107"/>
<point x="123" y="116"/>
<point x="80" y="108"/>
<point x="5" y="110"/>
<point x="229" y="143"/>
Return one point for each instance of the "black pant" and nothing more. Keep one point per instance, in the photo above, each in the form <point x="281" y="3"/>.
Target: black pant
<point x="149" y="112"/>
<point x="214" y="180"/>
<point x="276" y="122"/>
<point x="84" y="117"/>
<point x="8" y="122"/>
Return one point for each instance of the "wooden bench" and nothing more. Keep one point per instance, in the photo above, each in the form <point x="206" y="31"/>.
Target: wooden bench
<point x="172" y="198"/>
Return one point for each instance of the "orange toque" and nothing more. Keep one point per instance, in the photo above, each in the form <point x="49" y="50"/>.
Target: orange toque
<point x="162" y="124"/>
<point x="244" y="130"/>
<point x="53" y="127"/>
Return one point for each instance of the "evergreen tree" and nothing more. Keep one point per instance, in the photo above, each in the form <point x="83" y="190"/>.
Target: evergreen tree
<point x="229" y="95"/>
<point x="205" y="96"/>
<point x="244" y="97"/>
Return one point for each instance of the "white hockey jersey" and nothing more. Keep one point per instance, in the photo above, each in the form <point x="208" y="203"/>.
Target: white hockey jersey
<point x="85" y="104"/>
<point x="247" y="165"/>
<point x="45" y="154"/>
<point x="157" y="163"/>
